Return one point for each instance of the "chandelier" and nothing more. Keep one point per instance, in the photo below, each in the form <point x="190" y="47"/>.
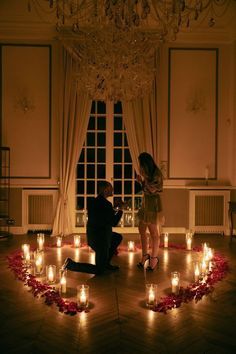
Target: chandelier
<point x="114" y="42"/>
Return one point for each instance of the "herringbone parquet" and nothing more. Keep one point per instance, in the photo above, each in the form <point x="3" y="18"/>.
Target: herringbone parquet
<point x="118" y="321"/>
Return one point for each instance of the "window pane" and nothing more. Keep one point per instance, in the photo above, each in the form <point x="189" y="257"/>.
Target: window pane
<point x="117" y="171"/>
<point x="128" y="187"/>
<point x="101" y="123"/>
<point x="80" y="171"/>
<point x="137" y="202"/>
<point x="101" y="155"/>
<point x="118" y="108"/>
<point x="81" y="158"/>
<point x="101" y="171"/>
<point x="90" y="171"/>
<point x="125" y="142"/>
<point x="127" y="156"/>
<point x="117" y="155"/>
<point x="101" y="107"/>
<point x="128" y="171"/>
<point x="117" y="123"/>
<point x="117" y="187"/>
<point x="91" y="187"/>
<point x="90" y="139"/>
<point x="93" y="107"/>
<point x="137" y="188"/>
<point x="128" y="203"/>
<point x="101" y="139"/>
<point x="90" y="155"/>
<point x="117" y="139"/>
<point x="80" y="187"/>
<point x="91" y="125"/>
<point x="80" y="203"/>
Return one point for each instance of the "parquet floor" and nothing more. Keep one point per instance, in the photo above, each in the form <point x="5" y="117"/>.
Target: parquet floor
<point x="118" y="321"/>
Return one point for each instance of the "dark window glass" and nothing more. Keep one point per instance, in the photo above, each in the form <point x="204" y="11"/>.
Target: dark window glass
<point x="101" y="155"/>
<point x="90" y="187"/>
<point x="127" y="156"/>
<point x="125" y="142"/>
<point x="90" y="171"/>
<point x="101" y="107"/>
<point x="80" y="171"/>
<point x="128" y="187"/>
<point x="117" y="123"/>
<point x="128" y="202"/>
<point x="101" y="139"/>
<point x="81" y="158"/>
<point x="80" y="187"/>
<point x="90" y="155"/>
<point x="101" y="123"/>
<point x="137" y="188"/>
<point x="117" y="139"/>
<point x="118" y="108"/>
<point x="91" y="125"/>
<point x="80" y="203"/>
<point x="137" y="203"/>
<point x="101" y="171"/>
<point x="128" y="171"/>
<point x="90" y="139"/>
<point x="93" y="107"/>
<point x="117" y="155"/>
<point x="117" y="187"/>
<point x="117" y="171"/>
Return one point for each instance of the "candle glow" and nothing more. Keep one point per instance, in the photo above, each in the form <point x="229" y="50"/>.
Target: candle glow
<point x="51" y="273"/>
<point x="166" y="238"/>
<point x="131" y="246"/>
<point x="175" y="278"/>
<point x="77" y="241"/>
<point x="151" y="295"/>
<point x="83" y="296"/>
<point x="40" y="240"/>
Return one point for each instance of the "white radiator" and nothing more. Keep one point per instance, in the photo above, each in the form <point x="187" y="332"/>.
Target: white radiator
<point x="38" y="209"/>
<point x="208" y="211"/>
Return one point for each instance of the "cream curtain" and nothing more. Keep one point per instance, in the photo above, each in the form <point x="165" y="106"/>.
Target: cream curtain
<point x="140" y="119"/>
<point x="73" y="126"/>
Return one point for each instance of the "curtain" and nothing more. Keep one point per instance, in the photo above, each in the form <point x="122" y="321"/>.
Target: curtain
<point x="140" y="119"/>
<point x="73" y="126"/>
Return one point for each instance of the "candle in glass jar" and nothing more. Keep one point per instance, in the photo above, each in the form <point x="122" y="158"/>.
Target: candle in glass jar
<point x="131" y="246"/>
<point x="189" y="236"/>
<point x="77" y="241"/>
<point x="83" y="295"/>
<point x="196" y="271"/>
<point x="63" y="282"/>
<point x="175" y="278"/>
<point x="166" y="239"/>
<point x="59" y="241"/>
<point x="51" y="273"/>
<point x="40" y="240"/>
<point x="38" y="262"/>
<point x="25" y="250"/>
<point x="151" y="295"/>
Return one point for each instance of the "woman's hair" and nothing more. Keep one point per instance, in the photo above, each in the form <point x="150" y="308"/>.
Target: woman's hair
<point x="102" y="185"/>
<point x="148" y="165"/>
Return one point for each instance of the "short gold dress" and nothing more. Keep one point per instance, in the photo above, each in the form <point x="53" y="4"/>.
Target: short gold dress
<point x="151" y="204"/>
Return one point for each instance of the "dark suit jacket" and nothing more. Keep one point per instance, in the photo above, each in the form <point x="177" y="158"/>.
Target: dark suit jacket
<point x="101" y="218"/>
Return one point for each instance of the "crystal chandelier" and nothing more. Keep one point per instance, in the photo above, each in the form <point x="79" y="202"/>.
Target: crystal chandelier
<point x="114" y="42"/>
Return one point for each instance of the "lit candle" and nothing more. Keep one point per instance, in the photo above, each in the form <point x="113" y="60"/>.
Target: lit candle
<point x="151" y="295"/>
<point x="166" y="238"/>
<point x="59" y="241"/>
<point x="196" y="271"/>
<point x="38" y="262"/>
<point x="51" y="273"/>
<point x="205" y="249"/>
<point x="189" y="236"/>
<point x="40" y="240"/>
<point x="25" y="249"/>
<point x="83" y="296"/>
<point x="63" y="282"/>
<point x="27" y="258"/>
<point x="131" y="246"/>
<point x="204" y="268"/>
<point x="77" y="241"/>
<point x="175" y="278"/>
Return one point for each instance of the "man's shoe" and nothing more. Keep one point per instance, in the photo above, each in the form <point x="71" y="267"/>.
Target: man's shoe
<point x="64" y="266"/>
<point x="112" y="267"/>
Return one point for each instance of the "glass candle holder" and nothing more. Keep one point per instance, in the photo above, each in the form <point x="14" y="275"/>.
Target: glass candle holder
<point x="175" y="282"/>
<point x="38" y="262"/>
<point x="25" y="250"/>
<point x="166" y="239"/>
<point x="188" y="238"/>
<point x="196" y="271"/>
<point x="131" y="246"/>
<point x="77" y="241"/>
<point x="63" y="281"/>
<point x="59" y="241"/>
<point x="151" y="295"/>
<point x="205" y="247"/>
<point x="204" y="267"/>
<point x="83" y="296"/>
<point x="40" y="241"/>
<point x="50" y="274"/>
<point x="209" y="254"/>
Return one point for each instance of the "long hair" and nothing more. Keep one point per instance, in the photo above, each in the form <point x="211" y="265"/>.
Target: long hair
<point x="148" y="165"/>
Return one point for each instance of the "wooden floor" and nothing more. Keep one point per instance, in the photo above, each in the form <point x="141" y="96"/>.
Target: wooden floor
<point x="118" y="321"/>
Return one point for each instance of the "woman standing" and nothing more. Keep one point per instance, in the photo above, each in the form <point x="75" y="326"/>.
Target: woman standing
<point x="149" y="215"/>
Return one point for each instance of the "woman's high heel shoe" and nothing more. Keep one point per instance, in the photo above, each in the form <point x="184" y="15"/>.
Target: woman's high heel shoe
<point x="146" y="257"/>
<point x="153" y="266"/>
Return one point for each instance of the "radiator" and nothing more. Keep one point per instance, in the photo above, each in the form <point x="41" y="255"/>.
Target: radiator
<point x="208" y="211"/>
<point x="38" y="209"/>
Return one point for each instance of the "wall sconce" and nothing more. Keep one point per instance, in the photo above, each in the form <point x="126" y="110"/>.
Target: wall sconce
<point x="25" y="104"/>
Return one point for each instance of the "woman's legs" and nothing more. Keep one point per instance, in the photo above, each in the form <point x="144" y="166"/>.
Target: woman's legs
<point x="155" y="241"/>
